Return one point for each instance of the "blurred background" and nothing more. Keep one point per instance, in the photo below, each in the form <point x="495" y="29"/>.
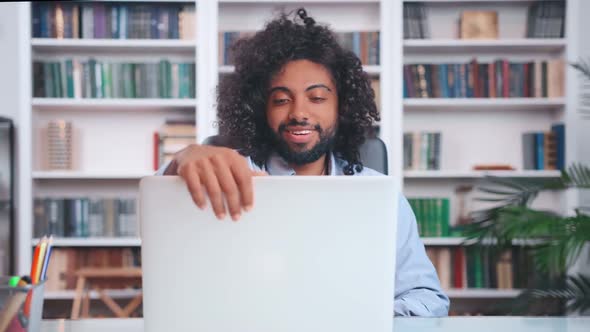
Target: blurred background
<point x="484" y="112"/>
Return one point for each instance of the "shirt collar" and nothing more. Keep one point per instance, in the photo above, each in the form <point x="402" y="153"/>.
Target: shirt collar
<point x="276" y="165"/>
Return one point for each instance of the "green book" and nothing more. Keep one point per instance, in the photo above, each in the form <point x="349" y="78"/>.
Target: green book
<point x="478" y="268"/>
<point x="92" y="69"/>
<point x="439" y="218"/>
<point x="162" y="79"/>
<point x="70" y="78"/>
<point x="445" y="217"/>
<point x="55" y="69"/>
<point x="106" y="81"/>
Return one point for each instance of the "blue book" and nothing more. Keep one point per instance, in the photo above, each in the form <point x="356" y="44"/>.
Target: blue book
<point x="44" y="15"/>
<point x="115" y="22"/>
<point x="559" y="133"/>
<point x="457" y="76"/>
<point x="443" y="83"/>
<point x="539" y="144"/>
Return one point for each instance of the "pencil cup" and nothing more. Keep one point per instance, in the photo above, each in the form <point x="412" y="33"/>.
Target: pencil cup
<point x="21" y="308"/>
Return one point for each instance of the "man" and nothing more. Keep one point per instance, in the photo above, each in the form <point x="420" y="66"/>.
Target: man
<point x="301" y="105"/>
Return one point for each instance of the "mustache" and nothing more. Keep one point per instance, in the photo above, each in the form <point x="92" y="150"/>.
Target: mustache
<point x="295" y="123"/>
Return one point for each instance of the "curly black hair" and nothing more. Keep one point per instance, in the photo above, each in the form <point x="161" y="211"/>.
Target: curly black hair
<point x="242" y="95"/>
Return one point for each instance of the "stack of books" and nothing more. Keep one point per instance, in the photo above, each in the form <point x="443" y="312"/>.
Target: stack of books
<point x="500" y="78"/>
<point x="432" y="215"/>
<point x="479" y="267"/>
<point x="546" y="19"/>
<point x="113" y="20"/>
<point x="174" y="136"/>
<point x="415" y="21"/>
<point x="422" y="151"/>
<point x="85" y="217"/>
<point x="544" y="150"/>
<point x="73" y="78"/>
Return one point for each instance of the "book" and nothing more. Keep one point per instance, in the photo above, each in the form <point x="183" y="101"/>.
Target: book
<point x="479" y="24"/>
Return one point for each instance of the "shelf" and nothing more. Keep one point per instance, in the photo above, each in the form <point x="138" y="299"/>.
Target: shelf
<point x="470" y="1"/>
<point x="94" y="242"/>
<point x="114" y="293"/>
<point x="89" y="104"/>
<point x="369" y="69"/>
<point x="479" y="174"/>
<point x="482" y="293"/>
<point x="483" y="104"/>
<point x="442" y="241"/>
<point x="296" y="1"/>
<point x="52" y="45"/>
<point x="82" y="175"/>
<point x="461" y="46"/>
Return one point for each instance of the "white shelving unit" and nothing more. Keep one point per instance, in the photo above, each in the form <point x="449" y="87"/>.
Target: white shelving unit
<point x="117" y="131"/>
<point x="49" y="45"/>
<point x="483" y="104"/>
<point x="483" y="293"/>
<point x="113" y="293"/>
<point x="459" y="46"/>
<point x="94" y="242"/>
<point x="479" y="174"/>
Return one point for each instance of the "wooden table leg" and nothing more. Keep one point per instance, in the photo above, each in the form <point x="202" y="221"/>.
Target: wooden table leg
<point x="86" y="305"/>
<point x="78" y="297"/>
<point x="132" y="305"/>
<point x="115" y="308"/>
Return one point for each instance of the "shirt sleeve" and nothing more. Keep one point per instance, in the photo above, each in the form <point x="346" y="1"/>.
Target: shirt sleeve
<point x="417" y="288"/>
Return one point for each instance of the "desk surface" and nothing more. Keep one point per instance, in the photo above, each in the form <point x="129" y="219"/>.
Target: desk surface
<point x="454" y="324"/>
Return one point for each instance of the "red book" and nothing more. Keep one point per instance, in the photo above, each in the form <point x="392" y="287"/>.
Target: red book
<point x="458" y="262"/>
<point x="156" y="148"/>
<point x="492" y="79"/>
<point x="506" y="78"/>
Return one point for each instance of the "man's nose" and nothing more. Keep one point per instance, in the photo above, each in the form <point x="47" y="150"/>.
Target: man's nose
<point x="299" y="111"/>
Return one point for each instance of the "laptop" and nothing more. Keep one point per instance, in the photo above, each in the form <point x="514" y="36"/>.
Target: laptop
<point x="314" y="254"/>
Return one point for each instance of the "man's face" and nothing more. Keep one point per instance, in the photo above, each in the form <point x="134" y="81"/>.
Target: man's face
<point x="302" y="111"/>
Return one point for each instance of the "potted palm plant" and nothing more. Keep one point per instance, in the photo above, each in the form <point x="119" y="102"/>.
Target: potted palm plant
<point x="556" y="241"/>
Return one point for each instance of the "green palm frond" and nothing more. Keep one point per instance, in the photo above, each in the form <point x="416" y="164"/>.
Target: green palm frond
<point x="556" y="241"/>
<point x="576" y="292"/>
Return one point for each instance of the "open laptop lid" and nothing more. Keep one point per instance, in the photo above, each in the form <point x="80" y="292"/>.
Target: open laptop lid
<point x="314" y="254"/>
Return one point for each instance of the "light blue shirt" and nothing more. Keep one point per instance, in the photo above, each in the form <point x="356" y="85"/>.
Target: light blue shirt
<point x="417" y="288"/>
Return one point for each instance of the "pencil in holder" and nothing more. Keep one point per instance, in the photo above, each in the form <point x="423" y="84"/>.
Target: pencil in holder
<point x="21" y="307"/>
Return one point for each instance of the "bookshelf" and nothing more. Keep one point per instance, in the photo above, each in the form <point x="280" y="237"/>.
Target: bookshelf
<point x="467" y="125"/>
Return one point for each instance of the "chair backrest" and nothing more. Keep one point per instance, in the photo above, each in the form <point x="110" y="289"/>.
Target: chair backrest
<point x="373" y="151"/>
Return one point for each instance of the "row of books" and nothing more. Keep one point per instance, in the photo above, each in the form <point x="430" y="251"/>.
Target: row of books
<point x="432" y="215"/>
<point x="174" y="136"/>
<point x="85" y="217"/>
<point x="364" y="44"/>
<point x="500" y="78"/>
<point x="113" y="20"/>
<point x="480" y="267"/>
<point x="546" y="19"/>
<point x="422" y="151"/>
<point x="74" y="78"/>
<point x="66" y="261"/>
<point x="415" y="21"/>
<point x="544" y="150"/>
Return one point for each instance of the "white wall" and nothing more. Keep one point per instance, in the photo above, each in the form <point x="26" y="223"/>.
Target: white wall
<point x="9" y="70"/>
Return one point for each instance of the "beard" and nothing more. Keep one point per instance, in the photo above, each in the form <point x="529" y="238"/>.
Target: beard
<point x="302" y="157"/>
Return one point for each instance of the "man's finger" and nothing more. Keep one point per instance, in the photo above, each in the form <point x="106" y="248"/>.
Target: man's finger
<point x="193" y="182"/>
<point x="229" y="187"/>
<point x="214" y="192"/>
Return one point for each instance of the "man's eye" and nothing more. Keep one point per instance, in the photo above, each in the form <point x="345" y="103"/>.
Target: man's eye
<point x="317" y="99"/>
<point x="280" y="101"/>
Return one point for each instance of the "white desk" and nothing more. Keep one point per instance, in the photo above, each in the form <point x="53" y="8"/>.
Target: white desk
<point x="451" y="324"/>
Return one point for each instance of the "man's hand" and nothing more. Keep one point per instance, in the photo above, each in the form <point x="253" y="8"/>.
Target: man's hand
<point x="220" y="172"/>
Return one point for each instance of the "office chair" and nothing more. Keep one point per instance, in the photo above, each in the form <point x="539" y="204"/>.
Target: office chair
<point x="373" y="151"/>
